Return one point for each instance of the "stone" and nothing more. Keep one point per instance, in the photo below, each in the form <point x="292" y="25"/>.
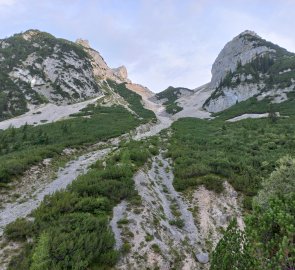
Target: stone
<point x="224" y="219"/>
<point x="203" y="257"/>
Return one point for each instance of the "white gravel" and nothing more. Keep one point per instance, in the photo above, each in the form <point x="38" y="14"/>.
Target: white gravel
<point x="192" y="104"/>
<point x="190" y="228"/>
<point x="49" y="112"/>
<point x="118" y="213"/>
<point x="248" y="115"/>
<point x="153" y="218"/>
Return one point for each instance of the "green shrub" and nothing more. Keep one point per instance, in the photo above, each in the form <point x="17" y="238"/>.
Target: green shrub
<point x="126" y="247"/>
<point x="208" y="153"/>
<point x="78" y="240"/>
<point x="177" y="222"/>
<point x="156" y="248"/>
<point x="19" y="230"/>
<point x="149" y="237"/>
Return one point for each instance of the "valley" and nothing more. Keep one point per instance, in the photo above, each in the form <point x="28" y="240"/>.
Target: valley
<point x="97" y="172"/>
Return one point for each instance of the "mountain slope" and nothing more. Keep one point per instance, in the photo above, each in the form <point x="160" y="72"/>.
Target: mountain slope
<point x="37" y="68"/>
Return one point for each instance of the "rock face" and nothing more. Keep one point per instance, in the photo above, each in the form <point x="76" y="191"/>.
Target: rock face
<point x="232" y="96"/>
<point x="250" y="66"/>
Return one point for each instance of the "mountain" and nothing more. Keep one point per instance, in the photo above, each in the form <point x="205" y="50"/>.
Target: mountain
<point x="111" y="181"/>
<point x="250" y="66"/>
<point x="37" y="68"/>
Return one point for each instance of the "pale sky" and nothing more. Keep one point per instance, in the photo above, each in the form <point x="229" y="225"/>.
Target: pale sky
<point x="161" y="42"/>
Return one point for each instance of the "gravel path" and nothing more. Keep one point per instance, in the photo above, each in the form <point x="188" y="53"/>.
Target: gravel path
<point x="248" y="115"/>
<point x="65" y="176"/>
<point x="118" y="213"/>
<point x="189" y="228"/>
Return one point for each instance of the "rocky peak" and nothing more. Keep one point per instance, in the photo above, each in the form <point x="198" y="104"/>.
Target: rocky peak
<point x="250" y="66"/>
<point x="83" y="42"/>
<point x="29" y="34"/>
<point x="249" y="33"/>
<point x="100" y="68"/>
<point x="241" y="49"/>
<point x="121" y="72"/>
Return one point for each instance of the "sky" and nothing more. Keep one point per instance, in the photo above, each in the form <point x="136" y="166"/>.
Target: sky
<point x="161" y="42"/>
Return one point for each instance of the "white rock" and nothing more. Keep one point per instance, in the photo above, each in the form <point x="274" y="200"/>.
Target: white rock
<point x="203" y="257"/>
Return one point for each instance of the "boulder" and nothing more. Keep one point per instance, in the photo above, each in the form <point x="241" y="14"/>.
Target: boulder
<point x="203" y="257"/>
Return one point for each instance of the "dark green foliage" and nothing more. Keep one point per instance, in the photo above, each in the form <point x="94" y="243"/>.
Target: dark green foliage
<point x="22" y="147"/>
<point x="273" y="239"/>
<point x="156" y="248"/>
<point x="177" y="222"/>
<point x="232" y="251"/>
<point x="274" y="211"/>
<point x="209" y="152"/>
<point x="172" y="94"/>
<point x="125" y="248"/>
<point x="78" y="240"/>
<point x="268" y="240"/>
<point x="134" y="100"/>
<point x="19" y="230"/>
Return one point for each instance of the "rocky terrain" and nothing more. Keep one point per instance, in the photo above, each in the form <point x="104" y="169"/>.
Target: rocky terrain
<point x="170" y="229"/>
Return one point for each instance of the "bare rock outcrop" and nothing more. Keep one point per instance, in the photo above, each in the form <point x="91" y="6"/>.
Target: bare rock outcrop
<point x="100" y="68"/>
